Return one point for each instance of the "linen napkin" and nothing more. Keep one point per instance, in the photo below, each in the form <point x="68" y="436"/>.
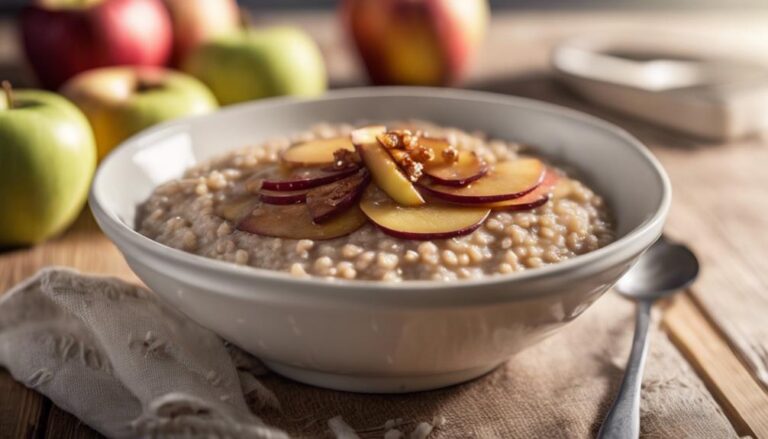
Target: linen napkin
<point x="113" y="355"/>
<point x="110" y="353"/>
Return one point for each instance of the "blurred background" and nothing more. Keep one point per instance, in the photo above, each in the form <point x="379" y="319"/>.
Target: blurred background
<point x="11" y="5"/>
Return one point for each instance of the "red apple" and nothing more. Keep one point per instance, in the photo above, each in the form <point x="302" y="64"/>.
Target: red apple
<point x="62" y="38"/>
<point x="416" y="42"/>
<point x="198" y="21"/>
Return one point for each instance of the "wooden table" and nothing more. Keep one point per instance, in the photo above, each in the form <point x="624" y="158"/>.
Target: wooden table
<point x="720" y="208"/>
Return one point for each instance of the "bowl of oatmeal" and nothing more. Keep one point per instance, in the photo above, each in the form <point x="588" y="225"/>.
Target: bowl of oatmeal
<point x="382" y="240"/>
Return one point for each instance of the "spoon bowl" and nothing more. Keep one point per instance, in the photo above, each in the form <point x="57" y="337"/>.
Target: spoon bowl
<point x="663" y="270"/>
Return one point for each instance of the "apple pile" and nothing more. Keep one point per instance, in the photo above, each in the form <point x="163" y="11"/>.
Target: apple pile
<point x="62" y="38"/>
<point x="207" y="39"/>
<point x="408" y="184"/>
<point x="127" y="65"/>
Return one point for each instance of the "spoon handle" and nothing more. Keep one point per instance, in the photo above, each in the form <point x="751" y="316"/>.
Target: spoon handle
<point x="623" y="420"/>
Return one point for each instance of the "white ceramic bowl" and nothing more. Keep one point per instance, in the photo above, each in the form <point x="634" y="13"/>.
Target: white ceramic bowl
<point x="374" y="336"/>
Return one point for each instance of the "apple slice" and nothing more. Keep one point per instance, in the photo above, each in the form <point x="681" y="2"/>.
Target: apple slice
<point x="295" y="222"/>
<point x="236" y="208"/>
<point x="383" y="168"/>
<point x="316" y="152"/>
<point x="303" y="178"/>
<point x="533" y="199"/>
<point x="562" y="189"/>
<point x="428" y="221"/>
<point x="325" y="202"/>
<point x="283" y="197"/>
<point x="467" y="168"/>
<point x="367" y="134"/>
<point x="507" y="180"/>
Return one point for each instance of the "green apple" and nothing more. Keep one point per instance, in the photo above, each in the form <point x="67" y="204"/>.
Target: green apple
<point x="259" y="63"/>
<point x="121" y="101"/>
<point x="47" y="159"/>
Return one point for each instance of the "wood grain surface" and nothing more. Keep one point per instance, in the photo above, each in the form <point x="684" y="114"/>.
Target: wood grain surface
<point x="740" y="396"/>
<point x="720" y="206"/>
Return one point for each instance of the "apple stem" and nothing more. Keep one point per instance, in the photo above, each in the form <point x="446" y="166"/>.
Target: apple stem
<point x="8" y="89"/>
<point x="148" y="82"/>
<point x="246" y="19"/>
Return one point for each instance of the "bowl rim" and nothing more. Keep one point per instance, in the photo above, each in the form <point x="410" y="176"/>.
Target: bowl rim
<point x="641" y="236"/>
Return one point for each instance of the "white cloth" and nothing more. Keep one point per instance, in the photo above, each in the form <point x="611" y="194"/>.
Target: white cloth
<point x="114" y="356"/>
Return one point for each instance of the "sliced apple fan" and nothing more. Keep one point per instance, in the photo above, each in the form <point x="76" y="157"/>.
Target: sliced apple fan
<point x="409" y="186"/>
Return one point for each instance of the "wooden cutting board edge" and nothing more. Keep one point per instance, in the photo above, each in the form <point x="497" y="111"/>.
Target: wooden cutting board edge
<point x="743" y="400"/>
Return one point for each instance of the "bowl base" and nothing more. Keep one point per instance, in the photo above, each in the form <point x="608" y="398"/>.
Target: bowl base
<point x="377" y="384"/>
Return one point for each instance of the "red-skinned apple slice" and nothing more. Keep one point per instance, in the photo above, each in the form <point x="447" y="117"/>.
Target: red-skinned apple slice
<point x="303" y="178"/>
<point x="506" y="181"/>
<point x="316" y="152"/>
<point x="428" y="221"/>
<point x="467" y="168"/>
<point x="283" y="197"/>
<point x="523" y="203"/>
<point x="325" y="202"/>
<point x="236" y="208"/>
<point x="295" y="222"/>
<point x="384" y="170"/>
<point x="533" y="199"/>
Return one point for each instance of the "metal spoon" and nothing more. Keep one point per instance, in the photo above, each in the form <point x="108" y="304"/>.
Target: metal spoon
<point x="664" y="269"/>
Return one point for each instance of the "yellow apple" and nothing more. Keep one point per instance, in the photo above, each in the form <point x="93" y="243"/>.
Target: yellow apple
<point x="416" y="42"/>
<point x="121" y="101"/>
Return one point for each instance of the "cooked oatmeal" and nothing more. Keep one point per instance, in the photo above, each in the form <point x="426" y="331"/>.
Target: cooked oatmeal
<point x="183" y="214"/>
